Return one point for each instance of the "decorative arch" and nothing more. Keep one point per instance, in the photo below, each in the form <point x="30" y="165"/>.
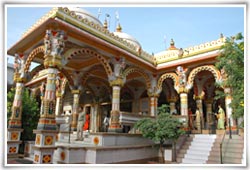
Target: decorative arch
<point x="163" y="77"/>
<point x="64" y="83"/>
<point x="126" y="89"/>
<point x="68" y="76"/>
<point x="31" y="56"/>
<point x="36" y="70"/>
<point x="104" y="83"/>
<point x="130" y="70"/>
<point x="87" y="74"/>
<point x="211" y="68"/>
<point x="73" y="52"/>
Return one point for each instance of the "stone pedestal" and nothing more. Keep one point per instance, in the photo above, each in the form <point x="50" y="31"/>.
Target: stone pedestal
<point x="13" y="142"/>
<point x="44" y="146"/>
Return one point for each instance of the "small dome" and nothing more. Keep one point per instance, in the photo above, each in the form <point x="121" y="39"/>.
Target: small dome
<point x="85" y="14"/>
<point x="126" y="37"/>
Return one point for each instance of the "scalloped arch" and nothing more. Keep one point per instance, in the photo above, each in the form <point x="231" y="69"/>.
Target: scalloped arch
<point x="72" y="52"/>
<point x="211" y="68"/>
<point x="36" y="70"/>
<point x="138" y="70"/>
<point x="64" y="83"/>
<point x="67" y="75"/>
<point x="31" y="56"/>
<point x="163" y="77"/>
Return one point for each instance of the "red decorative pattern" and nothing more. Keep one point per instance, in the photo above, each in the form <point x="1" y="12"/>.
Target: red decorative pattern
<point x="48" y="140"/>
<point x="46" y="158"/>
<point x="12" y="150"/>
<point x="38" y="138"/>
<point x="36" y="158"/>
<point x="96" y="140"/>
<point x="63" y="155"/>
<point x="14" y="135"/>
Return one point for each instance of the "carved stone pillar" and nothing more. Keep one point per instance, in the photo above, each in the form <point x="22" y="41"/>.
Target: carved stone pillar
<point x="172" y="102"/>
<point x="209" y="105"/>
<point x="76" y="96"/>
<point x="199" y="105"/>
<point x="183" y="91"/>
<point x="47" y="129"/>
<point x="184" y="103"/>
<point x="115" y="112"/>
<point x="153" y="104"/>
<point x="15" y="122"/>
<point x="58" y="103"/>
<point x="94" y="118"/>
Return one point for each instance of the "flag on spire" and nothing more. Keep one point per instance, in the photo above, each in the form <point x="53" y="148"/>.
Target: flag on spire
<point x="99" y="13"/>
<point x="117" y="15"/>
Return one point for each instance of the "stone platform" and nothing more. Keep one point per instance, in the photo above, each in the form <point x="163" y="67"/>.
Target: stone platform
<point x="104" y="148"/>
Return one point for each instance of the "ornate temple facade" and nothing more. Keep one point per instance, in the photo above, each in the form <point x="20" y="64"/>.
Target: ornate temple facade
<point x="82" y="63"/>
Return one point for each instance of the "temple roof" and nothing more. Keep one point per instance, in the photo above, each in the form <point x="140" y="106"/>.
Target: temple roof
<point x="81" y="13"/>
<point x="126" y="37"/>
<point x="84" y="21"/>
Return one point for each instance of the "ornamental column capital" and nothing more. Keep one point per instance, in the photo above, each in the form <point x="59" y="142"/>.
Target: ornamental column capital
<point x="53" y="48"/>
<point x="173" y="99"/>
<point x="150" y="94"/>
<point x="117" y="82"/>
<point x="18" y="78"/>
<point x="75" y="91"/>
<point x="209" y="101"/>
<point x="182" y="89"/>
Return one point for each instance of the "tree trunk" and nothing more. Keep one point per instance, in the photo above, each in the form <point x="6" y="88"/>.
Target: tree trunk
<point x="174" y="151"/>
<point x="162" y="153"/>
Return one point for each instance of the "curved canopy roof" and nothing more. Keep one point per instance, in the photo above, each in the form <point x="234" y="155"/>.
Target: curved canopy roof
<point x="85" y="14"/>
<point x="126" y="37"/>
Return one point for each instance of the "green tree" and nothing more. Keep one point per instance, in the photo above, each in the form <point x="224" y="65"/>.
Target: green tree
<point x="231" y="61"/>
<point x="163" y="127"/>
<point x="30" y="113"/>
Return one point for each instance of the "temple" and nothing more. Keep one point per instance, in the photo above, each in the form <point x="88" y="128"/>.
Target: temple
<point x="81" y="63"/>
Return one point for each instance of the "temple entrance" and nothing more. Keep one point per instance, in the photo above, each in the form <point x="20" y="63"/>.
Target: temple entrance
<point x="202" y="98"/>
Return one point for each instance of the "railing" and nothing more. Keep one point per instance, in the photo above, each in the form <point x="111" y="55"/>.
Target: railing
<point x="221" y="161"/>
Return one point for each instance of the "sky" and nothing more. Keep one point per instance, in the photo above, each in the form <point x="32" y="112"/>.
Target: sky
<point x="153" y="27"/>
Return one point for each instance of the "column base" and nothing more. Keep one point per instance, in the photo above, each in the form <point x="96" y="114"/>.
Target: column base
<point x="13" y="142"/>
<point x="44" y="146"/>
<point x="43" y="155"/>
<point x="46" y="124"/>
<point x="115" y="130"/>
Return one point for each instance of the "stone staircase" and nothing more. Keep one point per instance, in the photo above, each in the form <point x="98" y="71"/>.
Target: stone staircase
<point x="199" y="149"/>
<point x="232" y="150"/>
<point x="205" y="149"/>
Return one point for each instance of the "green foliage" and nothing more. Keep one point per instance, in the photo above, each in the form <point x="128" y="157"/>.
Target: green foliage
<point x="30" y="113"/>
<point x="164" y="127"/>
<point x="232" y="62"/>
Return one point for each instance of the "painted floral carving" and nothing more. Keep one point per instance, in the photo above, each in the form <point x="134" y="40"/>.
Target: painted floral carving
<point x="38" y="138"/>
<point x="46" y="158"/>
<point x="48" y="140"/>
<point x="36" y="158"/>
<point x="63" y="155"/>
<point x="96" y="140"/>
<point x="12" y="150"/>
<point x="14" y="136"/>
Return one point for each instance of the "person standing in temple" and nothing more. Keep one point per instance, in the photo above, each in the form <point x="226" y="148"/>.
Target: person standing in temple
<point x="198" y="119"/>
<point x="106" y="123"/>
<point x="87" y="121"/>
<point x="80" y="123"/>
<point x="221" y="118"/>
<point x="190" y="118"/>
